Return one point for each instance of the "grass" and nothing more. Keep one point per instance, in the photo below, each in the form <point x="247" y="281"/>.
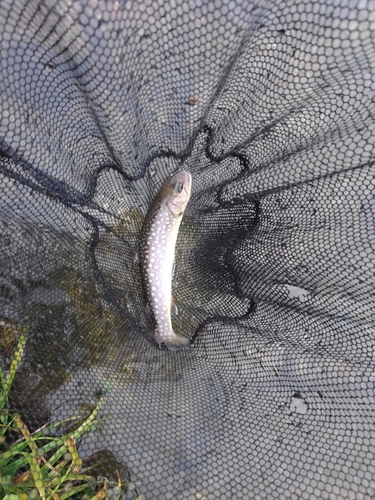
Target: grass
<point x="45" y="464"/>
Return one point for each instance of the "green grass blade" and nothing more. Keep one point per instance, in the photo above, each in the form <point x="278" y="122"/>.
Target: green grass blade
<point x="37" y="474"/>
<point x="57" y="483"/>
<point x="6" y="384"/>
<point x="76" y="459"/>
<point x="26" y="434"/>
<point x="88" y="422"/>
<point x="16" y="360"/>
<point x="6" y="423"/>
<point x="5" y="459"/>
<point x="41" y="433"/>
<point x="31" y="457"/>
<point x="84" y="427"/>
<point x="20" y="465"/>
<point x="17" y="496"/>
<point x="73" y="491"/>
<point x="7" y="468"/>
<point x="101" y="495"/>
<point x="3" y="391"/>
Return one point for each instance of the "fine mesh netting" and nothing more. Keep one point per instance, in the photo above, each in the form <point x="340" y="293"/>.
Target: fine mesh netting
<point x="270" y="106"/>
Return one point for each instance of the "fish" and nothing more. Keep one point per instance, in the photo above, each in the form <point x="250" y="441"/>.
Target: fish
<point x="157" y="254"/>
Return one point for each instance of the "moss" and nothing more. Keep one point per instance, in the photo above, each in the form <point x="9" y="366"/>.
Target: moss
<point x="130" y="224"/>
<point x="10" y="334"/>
<point x="95" y="320"/>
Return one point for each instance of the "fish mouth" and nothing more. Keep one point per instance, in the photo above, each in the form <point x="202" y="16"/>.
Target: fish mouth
<point x="186" y="181"/>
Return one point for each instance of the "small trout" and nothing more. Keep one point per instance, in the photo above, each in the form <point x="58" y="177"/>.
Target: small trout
<point x="157" y="248"/>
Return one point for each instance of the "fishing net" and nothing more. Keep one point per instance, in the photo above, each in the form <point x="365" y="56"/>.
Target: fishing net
<point x="270" y="106"/>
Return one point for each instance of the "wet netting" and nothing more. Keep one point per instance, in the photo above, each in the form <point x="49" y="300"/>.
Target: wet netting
<point x="270" y="107"/>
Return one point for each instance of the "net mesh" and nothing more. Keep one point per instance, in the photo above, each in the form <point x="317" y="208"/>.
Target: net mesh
<point x="270" y="106"/>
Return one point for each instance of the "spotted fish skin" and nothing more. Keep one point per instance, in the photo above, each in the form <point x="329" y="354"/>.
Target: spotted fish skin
<point x="157" y="249"/>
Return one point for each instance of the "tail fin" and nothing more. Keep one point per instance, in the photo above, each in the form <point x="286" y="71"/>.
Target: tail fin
<point x="173" y="342"/>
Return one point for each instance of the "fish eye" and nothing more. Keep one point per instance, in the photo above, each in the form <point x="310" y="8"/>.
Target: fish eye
<point x="179" y="187"/>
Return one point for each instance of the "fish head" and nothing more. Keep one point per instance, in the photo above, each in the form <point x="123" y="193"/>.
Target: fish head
<point x="176" y="193"/>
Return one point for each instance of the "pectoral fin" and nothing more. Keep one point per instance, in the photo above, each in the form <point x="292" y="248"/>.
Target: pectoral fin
<point x="174" y="308"/>
<point x="136" y="255"/>
<point x="148" y="310"/>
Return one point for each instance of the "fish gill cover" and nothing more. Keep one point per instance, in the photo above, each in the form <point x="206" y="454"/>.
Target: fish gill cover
<point x="270" y="107"/>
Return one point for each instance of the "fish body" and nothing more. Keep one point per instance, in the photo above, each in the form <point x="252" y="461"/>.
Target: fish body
<point x="157" y="253"/>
